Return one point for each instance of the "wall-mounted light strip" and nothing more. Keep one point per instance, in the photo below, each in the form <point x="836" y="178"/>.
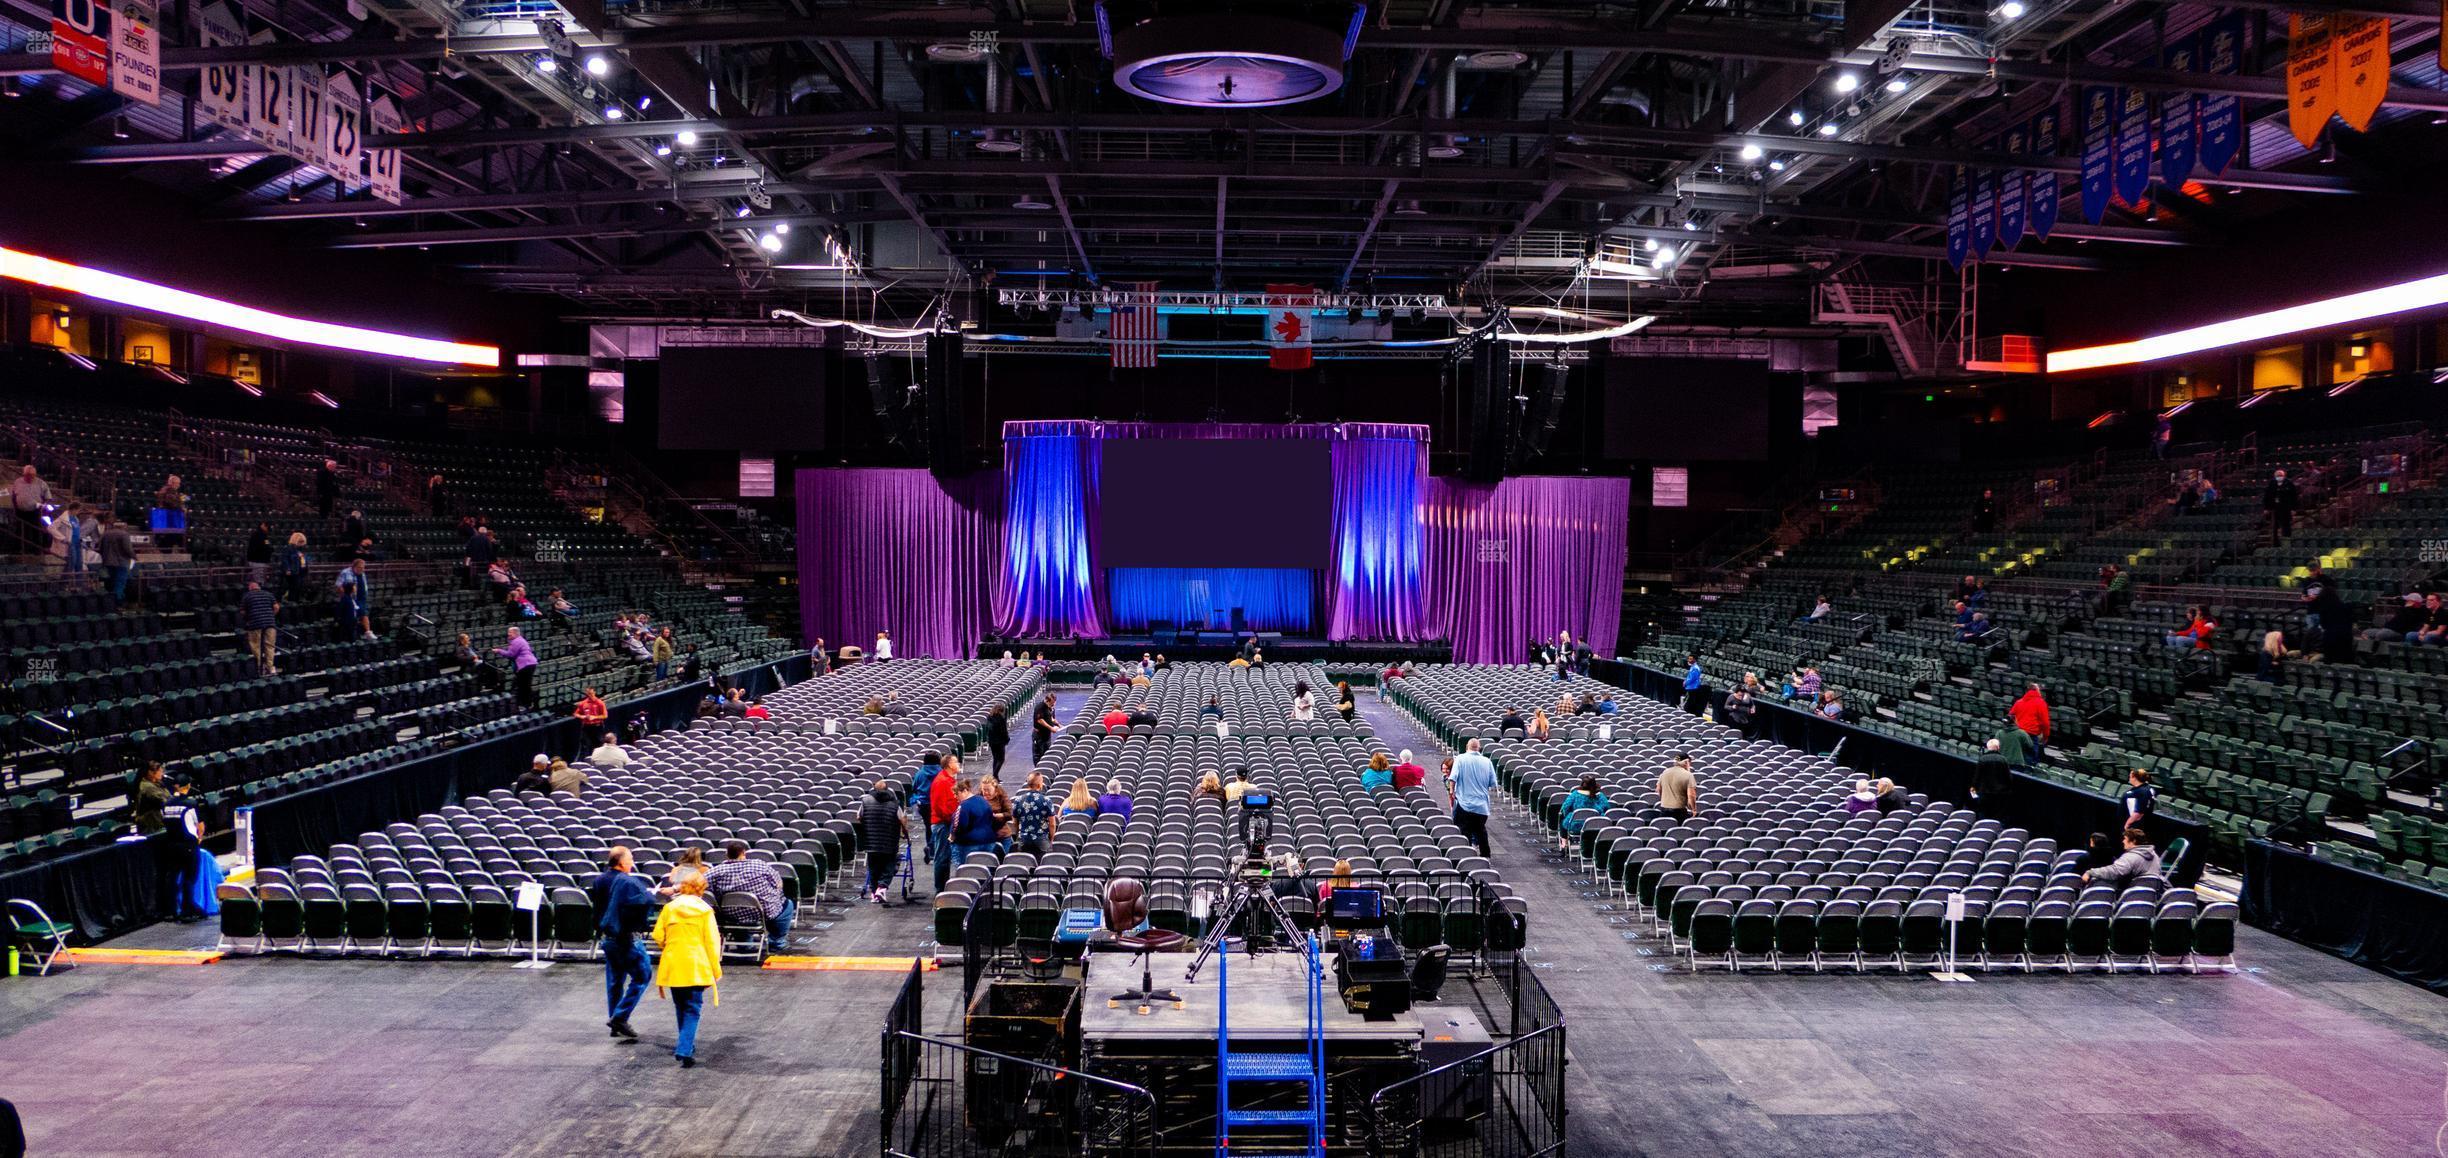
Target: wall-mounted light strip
<point x="2338" y="311"/>
<point x="163" y="300"/>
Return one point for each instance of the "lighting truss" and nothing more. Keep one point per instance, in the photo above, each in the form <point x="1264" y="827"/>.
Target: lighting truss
<point x="1219" y="302"/>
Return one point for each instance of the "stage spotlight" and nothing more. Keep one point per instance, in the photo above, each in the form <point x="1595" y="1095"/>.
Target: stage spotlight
<point x="1796" y="119"/>
<point x="598" y="64"/>
<point x="687" y="138"/>
<point x="770" y="243"/>
<point x="2010" y="10"/>
<point x="662" y="150"/>
<point x="1897" y="84"/>
<point x="1847" y="82"/>
<point x="645" y="102"/>
<point x="1777" y="166"/>
<point x="614" y="112"/>
<point x="1829" y="129"/>
<point x="782" y="227"/>
<point x="1753" y="152"/>
<point x="742" y="211"/>
<point x="547" y="65"/>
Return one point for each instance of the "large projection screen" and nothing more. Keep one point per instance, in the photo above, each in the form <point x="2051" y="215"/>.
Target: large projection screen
<point x="1216" y="502"/>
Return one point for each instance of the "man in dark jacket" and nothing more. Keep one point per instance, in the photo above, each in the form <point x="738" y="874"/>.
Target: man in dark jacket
<point x="1041" y="728"/>
<point x="118" y="555"/>
<point x="1992" y="776"/>
<point x="2280" y="499"/>
<point x="998" y="735"/>
<point x="885" y="831"/>
<point x="1984" y="512"/>
<point x="626" y="912"/>
<point x="259" y="618"/>
<point x="327" y="487"/>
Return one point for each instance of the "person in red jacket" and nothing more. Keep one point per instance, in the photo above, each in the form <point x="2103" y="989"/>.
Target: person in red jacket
<point x="2031" y="714"/>
<point x="1113" y="718"/>
<point x="2197" y="631"/>
<point x="592" y="711"/>
<point x="1407" y="774"/>
<point x="943" y="800"/>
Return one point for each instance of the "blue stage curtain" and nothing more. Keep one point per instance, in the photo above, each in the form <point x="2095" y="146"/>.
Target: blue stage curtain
<point x="1050" y="580"/>
<point x="1270" y="598"/>
<point x="1378" y="553"/>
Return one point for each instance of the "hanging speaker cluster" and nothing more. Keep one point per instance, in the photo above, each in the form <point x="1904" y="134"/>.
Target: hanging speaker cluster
<point x="1224" y="60"/>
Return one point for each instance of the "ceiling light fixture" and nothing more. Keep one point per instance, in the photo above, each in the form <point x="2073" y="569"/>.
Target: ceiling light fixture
<point x="614" y="112"/>
<point x="2011" y="10"/>
<point x="1796" y="119"/>
<point x="1777" y="166"/>
<point x="2318" y="315"/>
<point x="782" y="227"/>
<point x="1897" y="84"/>
<point x="1753" y="152"/>
<point x="686" y="138"/>
<point x="1847" y="81"/>
<point x="547" y="65"/>
<point x="176" y="303"/>
<point x="1829" y="129"/>
<point x="598" y="64"/>
<point x="662" y="150"/>
<point x="1650" y="245"/>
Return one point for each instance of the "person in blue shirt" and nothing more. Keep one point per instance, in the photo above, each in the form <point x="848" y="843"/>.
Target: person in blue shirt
<point x="1607" y="706"/>
<point x="1695" y="687"/>
<point x="973" y="825"/>
<point x="1474" y="776"/>
<point x="1588" y="796"/>
<point x="1379" y="774"/>
<point x="627" y="908"/>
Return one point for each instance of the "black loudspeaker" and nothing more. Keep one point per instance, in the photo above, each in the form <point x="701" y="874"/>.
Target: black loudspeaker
<point x="1546" y="412"/>
<point x="1489" y="374"/>
<point x="949" y="452"/>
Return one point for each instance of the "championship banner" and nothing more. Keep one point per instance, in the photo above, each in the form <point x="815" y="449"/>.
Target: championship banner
<point x="1288" y="309"/>
<point x="2176" y="116"/>
<point x="222" y="90"/>
<point x="2133" y="147"/>
<point x="2045" y="188"/>
<point x="2361" y="44"/>
<point x="382" y="166"/>
<point x="1984" y="212"/>
<point x="343" y="141"/>
<point x="306" y="113"/>
<point x="1959" y="219"/>
<point x="80" y="39"/>
<point x="136" y="50"/>
<point x="2012" y="195"/>
<point x="2222" y="124"/>
<point x="2311" y="74"/>
<point x="2099" y="121"/>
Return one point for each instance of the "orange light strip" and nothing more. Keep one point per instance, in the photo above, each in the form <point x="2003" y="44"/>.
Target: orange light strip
<point x="2319" y="315"/>
<point x="850" y="964"/>
<point x="160" y="299"/>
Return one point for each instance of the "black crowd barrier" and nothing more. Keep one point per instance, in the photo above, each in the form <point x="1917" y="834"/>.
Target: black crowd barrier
<point x="111" y="890"/>
<point x="2398" y="928"/>
<point x="2064" y="813"/>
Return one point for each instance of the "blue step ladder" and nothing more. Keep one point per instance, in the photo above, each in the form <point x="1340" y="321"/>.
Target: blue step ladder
<point x="1308" y="1068"/>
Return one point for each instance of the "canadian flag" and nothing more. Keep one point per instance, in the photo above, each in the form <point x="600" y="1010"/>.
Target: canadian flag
<point x="1288" y="310"/>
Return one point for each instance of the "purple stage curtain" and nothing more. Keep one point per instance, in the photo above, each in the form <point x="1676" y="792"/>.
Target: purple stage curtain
<point x="1050" y="585"/>
<point x="898" y="550"/>
<point x="1378" y="555"/>
<point x="1524" y="559"/>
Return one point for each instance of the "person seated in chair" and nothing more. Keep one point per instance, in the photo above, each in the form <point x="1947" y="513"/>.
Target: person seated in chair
<point x="2434" y="631"/>
<point x="1378" y="774"/>
<point x="759" y="879"/>
<point x="1891" y="796"/>
<point x="2197" y="633"/>
<point x="756" y="710"/>
<point x="520" y="606"/>
<point x="1512" y="721"/>
<point x="2139" y="860"/>
<point x="1407" y="773"/>
<point x="1587" y="796"/>
<point x="1143" y="716"/>
<point x="1213" y="711"/>
<point x="1114" y="717"/>
<point x="561" y="609"/>
<point x="537" y="777"/>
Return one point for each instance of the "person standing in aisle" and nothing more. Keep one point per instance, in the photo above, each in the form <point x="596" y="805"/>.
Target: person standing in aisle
<point x="522" y="659"/>
<point x="998" y="736"/>
<point x="627" y="908"/>
<point x="1474" y="777"/>
<point x="691" y="963"/>
<point x="1041" y="729"/>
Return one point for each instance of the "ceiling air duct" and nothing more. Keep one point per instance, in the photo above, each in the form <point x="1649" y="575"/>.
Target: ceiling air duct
<point x="1228" y="60"/>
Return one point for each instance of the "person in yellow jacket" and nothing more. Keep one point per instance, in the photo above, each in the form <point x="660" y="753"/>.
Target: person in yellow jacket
<point x="691" y="961"/>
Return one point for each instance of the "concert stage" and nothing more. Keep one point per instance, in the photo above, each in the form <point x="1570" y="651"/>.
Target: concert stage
<point x="1222" y="645"/>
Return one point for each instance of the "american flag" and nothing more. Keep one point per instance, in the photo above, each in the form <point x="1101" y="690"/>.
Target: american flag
<point x="1134" y="326"/>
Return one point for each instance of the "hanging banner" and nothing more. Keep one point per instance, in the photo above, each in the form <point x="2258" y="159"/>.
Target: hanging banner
<point x="269" y="113"/>
<point x="2222" y="123"/>
<point x="222" y="90"/>
<point x="2133" y="147"/>
<point x="1959" y="219"/>
<point x="2012" y="194"/>
<point x="306" y="113"/>
<point x="2046" y="189"/>
<point x="2311" y="74"/>
<point x="1288" y="310"/>
<point x="343" y="142"/>
<point x="2361" y="45"/>
<point x="2099" y="120"/>
<point x="1984" y="212"/>
<point x="136" y="50"/>
<point x="2176" y="116"/>
<point x="382" y="166"/>
<point x="80" y="39"/>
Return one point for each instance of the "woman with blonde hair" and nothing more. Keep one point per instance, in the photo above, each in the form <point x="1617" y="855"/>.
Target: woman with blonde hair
<point x="1342" y="879"/>
<point x="689" y="962"/>
<point x="1538" y="724"/>
<point x="1080" y="801"/>
<point x="691" y="863"/>
<point x="1210" y="787"/>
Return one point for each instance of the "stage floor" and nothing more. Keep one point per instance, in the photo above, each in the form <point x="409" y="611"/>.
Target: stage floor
<point x="2300" y="1054"/>
<point x="1268" y="1002"/>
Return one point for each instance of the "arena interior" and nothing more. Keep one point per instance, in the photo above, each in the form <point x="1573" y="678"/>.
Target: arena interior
<point x="1135" y="578"/>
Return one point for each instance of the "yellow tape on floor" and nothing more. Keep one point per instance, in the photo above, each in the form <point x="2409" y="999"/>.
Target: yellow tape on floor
<point x="142" y="956"/>
<point x="860" y="964"/>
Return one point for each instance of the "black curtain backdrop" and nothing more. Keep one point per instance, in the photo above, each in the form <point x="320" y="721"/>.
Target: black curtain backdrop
<point x="108" y="891"/>
<point x="2397" y="928"/>
<point x="2044" y="807"/>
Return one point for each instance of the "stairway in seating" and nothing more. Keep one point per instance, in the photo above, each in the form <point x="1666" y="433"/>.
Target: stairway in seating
<point x="1307" y="1069"/>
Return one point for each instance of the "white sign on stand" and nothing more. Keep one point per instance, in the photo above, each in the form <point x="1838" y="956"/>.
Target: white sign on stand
<point x="832" y="726"/>
<point x="1606" y="731"/>
<point x="1954" y="920"/>
<point x="531" y="899"/>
